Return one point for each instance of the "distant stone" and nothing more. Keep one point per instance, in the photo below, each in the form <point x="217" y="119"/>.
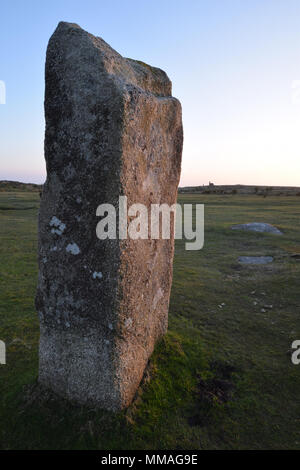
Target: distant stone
<point x="112" y="129"/>
<point x="255" y="259"/>
<point x="258" y="227"/>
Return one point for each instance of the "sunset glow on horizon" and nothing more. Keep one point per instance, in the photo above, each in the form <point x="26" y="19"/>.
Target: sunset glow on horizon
<point x="235" y="67"/>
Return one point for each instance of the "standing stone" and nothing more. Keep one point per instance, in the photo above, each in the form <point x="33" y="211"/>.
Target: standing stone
<point x="112" y="129"/>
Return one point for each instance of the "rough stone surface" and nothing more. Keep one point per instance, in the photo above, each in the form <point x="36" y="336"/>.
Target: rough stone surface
<point x="257" y="227"/>
<point x="255" y="259"/>
<point x="112" y="128"/>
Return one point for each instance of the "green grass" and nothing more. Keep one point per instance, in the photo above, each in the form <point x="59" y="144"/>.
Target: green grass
<point x="222" y="378"/>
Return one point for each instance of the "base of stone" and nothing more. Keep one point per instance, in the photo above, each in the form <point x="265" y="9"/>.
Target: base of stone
<point x="79" y="366"/>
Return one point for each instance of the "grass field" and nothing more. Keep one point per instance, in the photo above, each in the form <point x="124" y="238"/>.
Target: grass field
<point x="221" y="379"/>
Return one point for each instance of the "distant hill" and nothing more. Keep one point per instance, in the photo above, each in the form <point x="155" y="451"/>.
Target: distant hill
<point x="17" y="186"/>
<point x="242" y="189"/>
<point x="204" y="189"/>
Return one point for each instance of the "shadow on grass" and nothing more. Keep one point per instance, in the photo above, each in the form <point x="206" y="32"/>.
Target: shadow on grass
<point x="38" y="419"/>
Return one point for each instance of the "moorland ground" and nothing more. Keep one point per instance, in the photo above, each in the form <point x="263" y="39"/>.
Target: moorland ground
<point x="222" y="378"/>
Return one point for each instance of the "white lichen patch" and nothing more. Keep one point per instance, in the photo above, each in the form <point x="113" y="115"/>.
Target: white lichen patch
<point x="78" y="200"/>
<point x="54" y="248"/>
<point x="110" y="326"/>
<point x="55" y="230"/>
<point x="58" y="224"/>
<point x="128" y="322"/>
<point x="97" y="275"/>
<point x="159" y="294"/>
<point x="73" y="248"/>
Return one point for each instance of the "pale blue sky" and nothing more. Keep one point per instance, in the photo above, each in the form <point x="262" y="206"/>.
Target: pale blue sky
<point x="232" y="64"/>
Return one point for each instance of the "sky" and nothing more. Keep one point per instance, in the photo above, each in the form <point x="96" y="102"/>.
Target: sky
<point x="234" y="65"/>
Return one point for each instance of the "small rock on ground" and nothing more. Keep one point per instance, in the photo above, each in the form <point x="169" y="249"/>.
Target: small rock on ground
<point x="258" y="227"/>
<point x="255" y="259"/>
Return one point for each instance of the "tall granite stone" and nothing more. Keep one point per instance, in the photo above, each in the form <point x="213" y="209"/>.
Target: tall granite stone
<point x="112" y="128"/>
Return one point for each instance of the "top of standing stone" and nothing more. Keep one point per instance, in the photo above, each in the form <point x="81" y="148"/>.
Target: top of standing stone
<point x="69" y="37"/>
